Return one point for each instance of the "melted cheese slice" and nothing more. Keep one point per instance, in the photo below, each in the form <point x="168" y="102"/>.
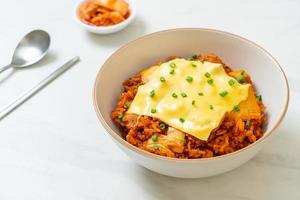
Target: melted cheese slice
<point x="207" y="112"/>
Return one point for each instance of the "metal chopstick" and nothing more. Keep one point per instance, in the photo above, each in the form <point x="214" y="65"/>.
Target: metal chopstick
<point x="20" y="100"/>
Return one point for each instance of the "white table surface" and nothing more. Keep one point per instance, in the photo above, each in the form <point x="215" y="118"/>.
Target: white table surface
<point x="53" y="147"/>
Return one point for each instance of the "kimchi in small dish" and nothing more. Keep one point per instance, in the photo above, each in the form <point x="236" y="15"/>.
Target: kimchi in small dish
<point x="105" y="16"/>
<point x="195" y="107"/>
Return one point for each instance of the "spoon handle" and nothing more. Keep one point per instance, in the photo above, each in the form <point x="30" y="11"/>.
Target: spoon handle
<point x="5" y="68"/>
<point x="17" y="102"/>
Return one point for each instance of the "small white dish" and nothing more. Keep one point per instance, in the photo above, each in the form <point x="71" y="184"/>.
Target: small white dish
<point x="106" y="29"/>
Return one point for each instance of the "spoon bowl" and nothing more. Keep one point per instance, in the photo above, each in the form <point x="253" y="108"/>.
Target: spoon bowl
<point x="31" y="49"/>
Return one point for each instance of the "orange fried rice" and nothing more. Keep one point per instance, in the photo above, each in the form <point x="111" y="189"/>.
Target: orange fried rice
<point x="230" y="136"/>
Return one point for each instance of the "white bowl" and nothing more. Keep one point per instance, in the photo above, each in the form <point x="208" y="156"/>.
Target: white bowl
<point x="235" y="51"/>
<point x="106" y="29"/>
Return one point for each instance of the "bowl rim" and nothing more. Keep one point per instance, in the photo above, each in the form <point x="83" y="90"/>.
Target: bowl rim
<point x="132" y="9"/>
<point x="131" y="147"/>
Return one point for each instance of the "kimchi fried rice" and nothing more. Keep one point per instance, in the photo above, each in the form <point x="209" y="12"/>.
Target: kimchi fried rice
<point x="231" y="135"/>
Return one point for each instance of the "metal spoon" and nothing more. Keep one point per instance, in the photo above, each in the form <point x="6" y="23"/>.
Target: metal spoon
<point x="31" y="49"/>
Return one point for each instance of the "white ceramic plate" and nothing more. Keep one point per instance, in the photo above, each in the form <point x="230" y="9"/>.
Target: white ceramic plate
<point x="235" y="51"/>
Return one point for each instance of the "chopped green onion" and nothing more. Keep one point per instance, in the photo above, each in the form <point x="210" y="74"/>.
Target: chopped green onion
<point x="155" y="146"/>
<point x="193" y="57"/>
<point x="153" y="110"/>
<point x="183" y="94"/>
<point x="193" y="64"/>
<point x="172" y="65"/>
<point x="162" y="79"/>
<point x="189" y="79"/>
<point x="236" y="108"/>
<point x="241" y="79"/>
<point x="174" y="95"/>
<point x="181" y="120"/>
<point x="211" y="107"/>
<point x="172" y="71"/>
<point x="200" y="93"/>
<point x="207" y="75"/>
<point x="152" y="93"/>
<point x="223" y="93"/>
<point x="127" y="104"/>
<point x="193" y="102"/>
<point x="120" y="116"/>
<point x="247" y="123"/>
<point x="154" y="138"/>
<point x="202" y="61"/>
<point x="259" y="97"/>
<point x="210" y="81"/>
<point x="231" y="82"/>
<point x="162" y="126"/>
